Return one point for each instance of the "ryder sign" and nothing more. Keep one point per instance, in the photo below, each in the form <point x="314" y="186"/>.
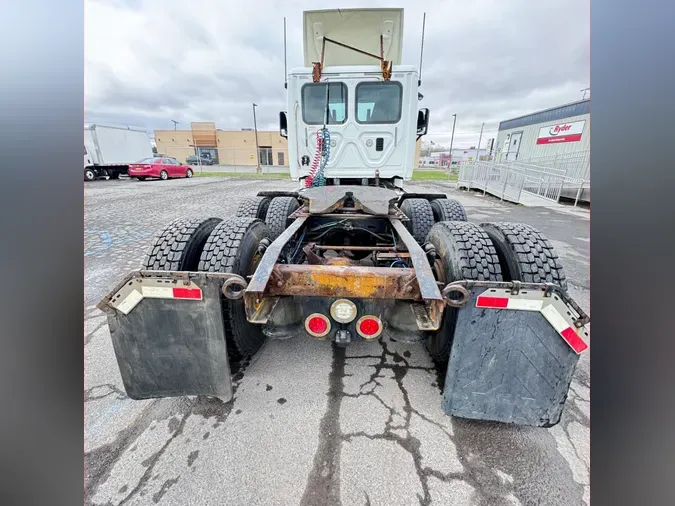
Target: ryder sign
<point x="562" y="132"/>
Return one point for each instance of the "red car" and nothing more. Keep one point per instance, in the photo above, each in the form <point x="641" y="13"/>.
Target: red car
<point x="162" y="168"/>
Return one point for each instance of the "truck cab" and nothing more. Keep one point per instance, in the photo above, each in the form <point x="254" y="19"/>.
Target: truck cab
<point x="370" y="110"/>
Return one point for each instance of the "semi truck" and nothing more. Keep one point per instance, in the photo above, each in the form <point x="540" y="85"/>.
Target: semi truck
<point x="108" y="150"/>
<point x="351" y="255"/>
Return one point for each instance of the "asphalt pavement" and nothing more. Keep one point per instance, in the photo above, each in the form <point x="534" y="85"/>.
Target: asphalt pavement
<point x="312" y="424"/>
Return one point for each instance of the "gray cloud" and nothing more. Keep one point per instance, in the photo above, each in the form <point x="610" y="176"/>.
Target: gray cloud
<point x="486" y="61"/>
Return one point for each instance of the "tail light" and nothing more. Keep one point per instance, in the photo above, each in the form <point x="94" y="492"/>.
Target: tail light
<point x="317" y="325"/>
<point x="369" y="327"/>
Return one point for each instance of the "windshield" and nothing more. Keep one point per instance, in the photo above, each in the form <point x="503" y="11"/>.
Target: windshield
<point x="314" y="103"/>
<point x="150" y="160"/>
<point x="378" y="102"/>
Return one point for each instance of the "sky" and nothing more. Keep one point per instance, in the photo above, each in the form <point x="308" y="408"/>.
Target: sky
<point x="148" y="62"/>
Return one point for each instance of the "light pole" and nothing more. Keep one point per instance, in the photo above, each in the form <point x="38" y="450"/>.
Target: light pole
<point x="199" y="156"/>
<point x="452" y="138"/>
<point x="257" y="149"/>
<point x="478" y="154"/>
<point x="479" y="140"/>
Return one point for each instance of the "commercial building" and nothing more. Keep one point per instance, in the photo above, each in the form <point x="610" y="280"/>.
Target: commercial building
<point x="223" y="147"/>
<point x="227" y="147"/>
<point x="554" y="141"/>
<point x="556" y="132"/>
<point x="459" y="156"/>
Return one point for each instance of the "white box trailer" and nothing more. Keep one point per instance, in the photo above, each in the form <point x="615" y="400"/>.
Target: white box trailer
<point x="109" y="150"/>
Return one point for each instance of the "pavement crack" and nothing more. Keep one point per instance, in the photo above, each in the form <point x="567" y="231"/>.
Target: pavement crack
<point x="91" y="395"/>
<point x="165" y="487"/>
<point x="152" y="461"/>
<point x="90" y="335"/>
<point x="323" y="483"/>
<point x="100" y="462"/>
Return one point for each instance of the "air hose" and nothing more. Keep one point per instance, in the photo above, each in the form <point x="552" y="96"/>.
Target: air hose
<point x="315" y="163"/>
<point x="316" y="175"/>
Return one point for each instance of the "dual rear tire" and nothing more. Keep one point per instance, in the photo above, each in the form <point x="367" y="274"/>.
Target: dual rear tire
<point x="214" y="245"/>
<point x="422" y="214"/>
<point x="489" y="252"/>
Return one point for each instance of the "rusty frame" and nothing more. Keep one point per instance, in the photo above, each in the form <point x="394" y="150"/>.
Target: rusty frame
<point x="272" y="280"/>
<point x="344" y="281"/>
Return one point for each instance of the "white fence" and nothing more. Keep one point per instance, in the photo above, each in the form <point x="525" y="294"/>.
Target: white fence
<point x="508" y="180"/>
<point x="574" y="165"/>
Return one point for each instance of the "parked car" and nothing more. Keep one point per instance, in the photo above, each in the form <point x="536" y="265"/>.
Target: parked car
<point x="162" y="168"/>
<point x="194" y="160"/>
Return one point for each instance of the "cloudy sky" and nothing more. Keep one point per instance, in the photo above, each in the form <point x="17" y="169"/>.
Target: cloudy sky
<point x="150" y="61"/>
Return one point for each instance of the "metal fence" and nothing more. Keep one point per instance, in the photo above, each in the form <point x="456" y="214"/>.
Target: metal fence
<point x="495" y="179"/>
<point x="574" y="165"/>
<point x="509" y="180"/>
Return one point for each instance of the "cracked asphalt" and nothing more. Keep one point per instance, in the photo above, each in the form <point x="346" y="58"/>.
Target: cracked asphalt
<point x="311" y="423"/>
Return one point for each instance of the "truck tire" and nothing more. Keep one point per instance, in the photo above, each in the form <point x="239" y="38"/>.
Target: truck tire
<point x="525" y="254"/>
<point x="464" y="251"/>
<point x="179" y="246"/>
<point x="279" y="210"/>
<point x="253" y="207"/>
<point x="233" y="247"/>
<point x="89" y="174"/>
<point x="448" y="210"/>
<point x="114" y="174"/>
<point x="421" y="218"/>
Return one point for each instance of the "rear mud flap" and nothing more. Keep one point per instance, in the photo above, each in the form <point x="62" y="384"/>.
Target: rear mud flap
<point x="168" y="336"/>
<point x="510" y="366"/>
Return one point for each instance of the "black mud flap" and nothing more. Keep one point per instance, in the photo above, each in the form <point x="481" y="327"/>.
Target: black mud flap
<point x="168" y="335"/>
<point x="513" y="355"/>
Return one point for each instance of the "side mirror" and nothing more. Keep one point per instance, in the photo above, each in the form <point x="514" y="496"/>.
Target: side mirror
<point x="422" y="121"/>
<point x="283" y="125"/>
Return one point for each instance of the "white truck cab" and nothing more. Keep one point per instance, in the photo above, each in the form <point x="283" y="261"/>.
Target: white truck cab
<point x="369" y="107"/>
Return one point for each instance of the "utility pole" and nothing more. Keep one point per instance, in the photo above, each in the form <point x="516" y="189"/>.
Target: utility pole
<point x="452" y="138"/>
<point x="479" y="140"/>
<point x="478" y="153"/>
<point x="174" y="123"/>
<point x="257" y="149"/>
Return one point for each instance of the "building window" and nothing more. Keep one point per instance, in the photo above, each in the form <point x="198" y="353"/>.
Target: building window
<point x="378" y="102"/>
<point x="280" y="157"/>
<point x="265" y="155"/>
<point x="314" y="97"/>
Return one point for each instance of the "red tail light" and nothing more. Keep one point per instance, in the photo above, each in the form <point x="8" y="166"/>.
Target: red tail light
<point x="317" y="325"/>
<point x="369" y="327"/>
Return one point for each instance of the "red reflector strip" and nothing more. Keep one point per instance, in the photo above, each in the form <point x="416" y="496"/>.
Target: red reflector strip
<point x="187" y="293"/>
<point x="573" y="339"/>
<point x="492" y="302"/>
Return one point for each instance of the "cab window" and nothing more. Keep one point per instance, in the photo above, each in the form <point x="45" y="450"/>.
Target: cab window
<point x="314" y="98"/>
<point x="378" y="102"/>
